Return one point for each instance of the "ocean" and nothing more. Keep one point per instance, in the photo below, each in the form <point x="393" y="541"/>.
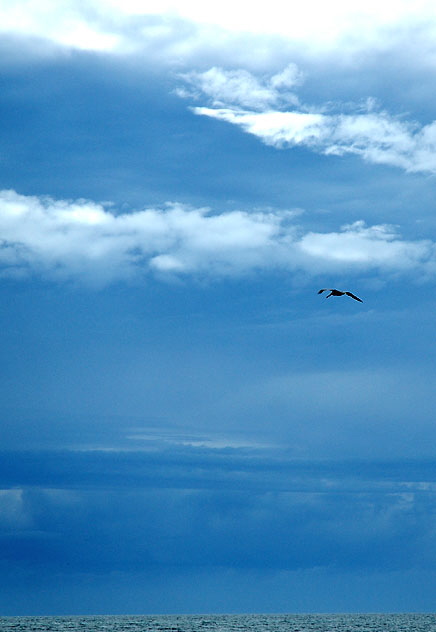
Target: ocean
<point x="226" y="623"/>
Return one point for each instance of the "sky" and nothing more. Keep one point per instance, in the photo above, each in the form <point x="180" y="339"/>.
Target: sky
<point x="186" y="425"/>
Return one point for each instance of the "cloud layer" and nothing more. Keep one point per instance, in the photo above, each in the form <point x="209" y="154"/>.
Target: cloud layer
<point x="178" y="32"/>
<point x="122" y="26"/>
<point x="375" y="136"/>
<point x="89" y="242"/>
<point x="165" y="520"/>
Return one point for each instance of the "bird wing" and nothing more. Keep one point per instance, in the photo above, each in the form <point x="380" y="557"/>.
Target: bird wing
<point x="326" y="289"/>
<point x="356" y="298"/>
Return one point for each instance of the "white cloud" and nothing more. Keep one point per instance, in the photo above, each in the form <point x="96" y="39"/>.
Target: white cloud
<point x="361" y="245"/>
<point x="177" y="31"/>
<point x="375" y="136"/>
<point x="85" y="242"/>
<point x="67" y="23"/>
<point x="241" y="88"/>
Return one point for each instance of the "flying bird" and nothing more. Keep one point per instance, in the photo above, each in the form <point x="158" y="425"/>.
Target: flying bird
<point x="339" y="293"/>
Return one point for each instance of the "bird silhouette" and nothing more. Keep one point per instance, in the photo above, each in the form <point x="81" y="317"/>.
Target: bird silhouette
<point x="339" y="293"/>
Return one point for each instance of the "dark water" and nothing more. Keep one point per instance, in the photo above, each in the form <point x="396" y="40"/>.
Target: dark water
<point x="226" y="623"/>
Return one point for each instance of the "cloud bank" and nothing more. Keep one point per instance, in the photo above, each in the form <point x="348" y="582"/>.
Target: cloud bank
<point x="257" y="108"/>
<point x="91" y="243"/>
<point x="176" y="32"/>
<point x="190" y="522"/>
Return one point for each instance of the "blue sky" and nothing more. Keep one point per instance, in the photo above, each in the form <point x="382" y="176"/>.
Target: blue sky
<point x="186" y="425"/>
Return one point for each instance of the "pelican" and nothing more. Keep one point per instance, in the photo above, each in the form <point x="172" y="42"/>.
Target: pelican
<point x="339" y="293"/>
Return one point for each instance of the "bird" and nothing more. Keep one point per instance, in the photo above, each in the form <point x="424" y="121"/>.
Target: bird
<point x="339" y="293"/>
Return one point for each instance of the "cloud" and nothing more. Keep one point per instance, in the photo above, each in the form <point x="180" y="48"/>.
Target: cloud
<point x="188" y="35"/>
<point x="180" y="32"/>
<point x="375" y="136"/>
<point x="358" y="244"/>
<point x="91" y="243"/>
<point x="64" y="23"/>
<point x="86" y="241"/>
<point x="124" y="511"/>
<point x="241" y="88"/>
<point x="198" y="467"/>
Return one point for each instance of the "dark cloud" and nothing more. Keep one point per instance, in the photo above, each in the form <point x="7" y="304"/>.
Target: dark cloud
<point x="102" y="512"/>
<point x="185" y="467"/>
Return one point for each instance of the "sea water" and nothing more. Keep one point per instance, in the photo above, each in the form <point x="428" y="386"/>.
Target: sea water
<point x="226" y="623"/>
